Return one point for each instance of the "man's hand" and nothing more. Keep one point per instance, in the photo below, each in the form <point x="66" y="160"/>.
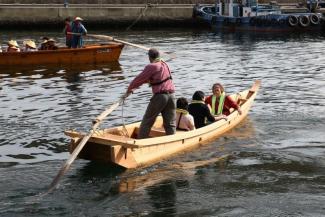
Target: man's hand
<point x="239" y="111"/>
<point x="219" y="117"/>
<point x="127" y="93"/>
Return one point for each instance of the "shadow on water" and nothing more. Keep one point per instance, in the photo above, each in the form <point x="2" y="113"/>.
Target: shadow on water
<point x="99" y="170"/>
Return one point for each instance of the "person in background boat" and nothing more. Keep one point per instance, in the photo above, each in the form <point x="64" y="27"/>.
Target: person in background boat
<point x="66" y="30"/>
<point x="78" y="30"/>
<point x="158" y="75"/>
<point x="43" y="45"/>
<point x="13" y="46"/>
<point x="200" y="111"/>
<point x="219" y="102"/>
<point x="184" y="121"/>
<point x="30" y="46"/>
<point x="51" y="44"/>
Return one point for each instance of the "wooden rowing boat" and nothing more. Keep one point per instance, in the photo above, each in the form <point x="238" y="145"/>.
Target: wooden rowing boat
<point x="119" y="146"/>
<point x="90" y="54"/>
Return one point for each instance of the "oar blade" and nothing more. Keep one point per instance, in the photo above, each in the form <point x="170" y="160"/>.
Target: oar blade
<point x="82" y="143"/>
<point x="68" y="163"/>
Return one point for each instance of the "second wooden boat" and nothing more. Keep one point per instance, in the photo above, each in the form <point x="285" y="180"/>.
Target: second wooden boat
<point x="90" y="54"/>
<point x="119" y="145"/>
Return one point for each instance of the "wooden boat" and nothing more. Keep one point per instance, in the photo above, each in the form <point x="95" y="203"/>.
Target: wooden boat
<point x="119" y="145"/>
<point x="90" y="54"/>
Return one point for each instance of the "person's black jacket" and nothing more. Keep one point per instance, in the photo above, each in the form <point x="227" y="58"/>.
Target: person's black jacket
<point x="200" y="112"/>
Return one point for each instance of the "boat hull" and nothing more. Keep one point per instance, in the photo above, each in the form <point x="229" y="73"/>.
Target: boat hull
<point x="91" y="54"/>
<point x="119" y="146"/>
<point x="298" y="22"/>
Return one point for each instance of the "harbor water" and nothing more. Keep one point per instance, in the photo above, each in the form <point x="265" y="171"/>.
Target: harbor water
<point x="272" y="164"/>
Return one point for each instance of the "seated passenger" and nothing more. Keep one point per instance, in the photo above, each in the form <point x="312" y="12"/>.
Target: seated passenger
<point x="200" y="111"/>
<point x="220" y="103"/>
<point x="30" y="46"/>
<point x="13" y="46"/>
<point x="184" y="121"/>
<point x="44" y="44"/>
<point x="51" y="44"/>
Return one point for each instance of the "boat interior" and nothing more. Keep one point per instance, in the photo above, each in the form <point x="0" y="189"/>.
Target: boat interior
<point x="131" y="130"/>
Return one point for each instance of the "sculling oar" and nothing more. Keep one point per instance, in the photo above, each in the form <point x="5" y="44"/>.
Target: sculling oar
<point x="110" y="38"/>
<point x="82" y="143"/>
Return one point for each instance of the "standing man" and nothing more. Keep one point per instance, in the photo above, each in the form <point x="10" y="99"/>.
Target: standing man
<point x="158" y="75"/>
<point x="78" y="31"/>
<point x="66" y="31"/>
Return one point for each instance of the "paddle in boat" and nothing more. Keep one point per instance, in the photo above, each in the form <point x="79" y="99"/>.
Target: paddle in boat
<point x="119" y="145"/>
<point x="89" y="54"/>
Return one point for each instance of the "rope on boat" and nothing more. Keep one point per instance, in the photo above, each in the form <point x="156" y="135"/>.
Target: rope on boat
<point x="124" y="131"/>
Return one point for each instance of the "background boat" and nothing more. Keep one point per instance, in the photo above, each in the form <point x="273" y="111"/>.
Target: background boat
<point x="90" y="54"/>
<point x="250" y="16"/>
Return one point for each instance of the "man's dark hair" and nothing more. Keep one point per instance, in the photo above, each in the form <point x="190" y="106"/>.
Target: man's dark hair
<point x="153" y="53"/>
<point x="182" y="103"/>
<point x="198" y="95"/>
<point x="67" y="19"/>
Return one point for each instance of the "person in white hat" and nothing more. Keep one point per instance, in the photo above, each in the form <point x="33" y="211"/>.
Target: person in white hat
<point x="30" y="46"/>
<point x="78" y="30"/>
<point x="51" y="44"/>
<point x="13" y="46"/>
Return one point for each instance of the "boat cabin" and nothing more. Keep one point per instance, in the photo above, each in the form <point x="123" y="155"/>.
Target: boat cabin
<point x="244" y="8"/>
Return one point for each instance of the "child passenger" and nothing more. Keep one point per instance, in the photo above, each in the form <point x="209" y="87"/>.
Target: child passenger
<point x="200" y="111"/>
<point x="184" y="121"/>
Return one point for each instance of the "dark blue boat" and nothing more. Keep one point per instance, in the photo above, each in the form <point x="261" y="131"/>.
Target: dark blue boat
<point x="241" y="15"/>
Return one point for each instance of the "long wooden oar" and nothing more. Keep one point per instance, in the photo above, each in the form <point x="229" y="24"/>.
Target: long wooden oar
<point x="110" y="38"/>
<point x="82" y="143"/>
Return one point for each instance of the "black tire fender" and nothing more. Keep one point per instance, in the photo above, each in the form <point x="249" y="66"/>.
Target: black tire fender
<point x="314" y="19"/>
<point x="293" y="20"/>
<point x="304" y="20"/>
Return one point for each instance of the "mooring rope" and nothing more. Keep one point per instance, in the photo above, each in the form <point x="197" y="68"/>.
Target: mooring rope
<point x="139" y="17"/>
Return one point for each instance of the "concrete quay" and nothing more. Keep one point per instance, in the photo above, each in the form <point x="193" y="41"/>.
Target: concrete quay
<point x="110" y="15"/>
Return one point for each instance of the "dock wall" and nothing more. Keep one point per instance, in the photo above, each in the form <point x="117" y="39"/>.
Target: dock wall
<point x="96" y="13"/>
<point x="112" y="15"/>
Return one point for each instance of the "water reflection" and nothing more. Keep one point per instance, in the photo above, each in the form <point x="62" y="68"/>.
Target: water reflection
<point x="277" y="155"/>
<point x="179" y="171"/>
<point x="163" y="198"/>
<point x="52" y="71"/>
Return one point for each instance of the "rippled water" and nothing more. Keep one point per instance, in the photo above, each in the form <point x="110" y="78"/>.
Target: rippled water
<point x="273" y="163"/>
